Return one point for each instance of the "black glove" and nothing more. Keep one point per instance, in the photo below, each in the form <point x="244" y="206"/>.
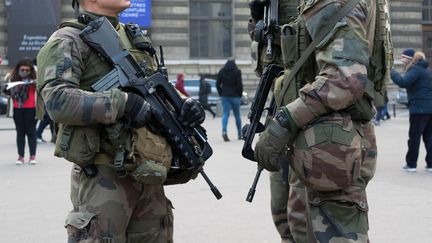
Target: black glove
<point x="191" y="113"/>
<point x="138" y="110"/>
<point x="280" y="132"/>
<point x="257" y="9"/>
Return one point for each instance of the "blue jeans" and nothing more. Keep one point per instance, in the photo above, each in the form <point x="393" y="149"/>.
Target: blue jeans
<point x="229" y="103"/>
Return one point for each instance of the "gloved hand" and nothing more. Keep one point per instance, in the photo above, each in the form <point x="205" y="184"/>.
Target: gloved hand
<point x="138" y="110"/>
<point x="191" y="113"/>
<point x="280" y="132"/>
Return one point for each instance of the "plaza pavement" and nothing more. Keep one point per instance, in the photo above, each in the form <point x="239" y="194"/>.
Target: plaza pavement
<point x="34" y="200"/>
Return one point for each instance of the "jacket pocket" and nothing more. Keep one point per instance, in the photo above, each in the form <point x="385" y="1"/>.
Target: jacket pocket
<point x="78" y="225"/>
<point x="78" y="144"/>
<point x="327" y="155"/>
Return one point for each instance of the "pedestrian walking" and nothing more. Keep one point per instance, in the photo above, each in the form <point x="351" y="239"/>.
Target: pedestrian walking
<point x="418" y="82"/>
<point x="230" y="88"/>
<point x="179" y="85"/>
<point x="46" y="120"/>
<point x="204" y="92"/>
<point x="379" y="103"/>
<point x="22" y="90"/>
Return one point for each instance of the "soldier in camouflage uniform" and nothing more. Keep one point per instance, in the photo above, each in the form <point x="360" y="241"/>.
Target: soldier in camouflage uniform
<point x="279" y="186"/>
<point x="107" y="207"/>
<point x="324" y="120"/>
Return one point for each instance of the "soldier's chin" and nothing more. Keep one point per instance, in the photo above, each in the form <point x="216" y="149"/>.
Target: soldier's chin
<point x="126" y="6"/>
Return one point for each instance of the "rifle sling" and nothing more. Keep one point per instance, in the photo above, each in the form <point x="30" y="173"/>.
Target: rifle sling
<point x="310" y="49"/>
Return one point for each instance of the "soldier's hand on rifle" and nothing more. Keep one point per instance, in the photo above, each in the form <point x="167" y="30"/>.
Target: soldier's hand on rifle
<point x="191" y="113"/>
<point x="272" y="143"/>
<point x="138" y="110"/>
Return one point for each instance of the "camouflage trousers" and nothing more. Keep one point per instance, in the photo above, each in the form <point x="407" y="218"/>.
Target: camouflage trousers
<point x="316" y="213"/>
<point x="279" y="189"/>
<point x="110" y="209"/>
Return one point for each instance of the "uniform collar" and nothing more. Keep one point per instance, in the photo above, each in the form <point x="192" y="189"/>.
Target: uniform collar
<point x="113" y="20"/>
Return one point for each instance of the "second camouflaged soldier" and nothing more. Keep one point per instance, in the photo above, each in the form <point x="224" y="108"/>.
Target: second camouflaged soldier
<point x="325" y="116"/>
<point x="279" y="187"/>
<point x="107" y="207"/>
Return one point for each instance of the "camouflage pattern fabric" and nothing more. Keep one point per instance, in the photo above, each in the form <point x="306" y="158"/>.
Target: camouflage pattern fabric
<point x="279" y="190"/>
<point x="107" y="208"/>
<point x="333" y="157"/>
<point x="64" y="79"/>
<point x="297" y="209"/>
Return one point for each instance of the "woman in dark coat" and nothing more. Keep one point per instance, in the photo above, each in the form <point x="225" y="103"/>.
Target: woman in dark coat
<point x="230" y="88"/>
<point x="418" y="83"/>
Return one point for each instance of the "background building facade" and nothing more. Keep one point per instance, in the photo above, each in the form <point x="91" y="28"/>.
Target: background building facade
<point x="200" y="35"/>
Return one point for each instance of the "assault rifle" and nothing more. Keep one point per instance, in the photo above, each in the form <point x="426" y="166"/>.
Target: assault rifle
<point x="267" y="28"/>
<point x="189" y="145"/>
<point x="258" y="106"/>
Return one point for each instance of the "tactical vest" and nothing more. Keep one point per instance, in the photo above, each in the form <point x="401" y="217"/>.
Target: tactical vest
<point x="140" y="145"/>
<point x="295" y="39"/>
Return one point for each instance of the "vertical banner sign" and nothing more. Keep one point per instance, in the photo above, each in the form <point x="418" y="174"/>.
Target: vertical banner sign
<point x="30" y="24"/>
<point x="139" y="13"/>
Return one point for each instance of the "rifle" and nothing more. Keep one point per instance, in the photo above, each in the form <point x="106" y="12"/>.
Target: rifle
<point x="267" y="28"/>
<point x="189" y="145"/>
<point x="269" y="74"/>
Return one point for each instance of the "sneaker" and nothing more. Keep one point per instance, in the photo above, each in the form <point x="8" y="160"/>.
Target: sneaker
<point x="32" y="160"/>
<point x="20" y="161"/>
<point x="225" y="137"/>
<point x="428" y="169"/>
<point x="409" y="169"/>
<point x="40" y="140"/>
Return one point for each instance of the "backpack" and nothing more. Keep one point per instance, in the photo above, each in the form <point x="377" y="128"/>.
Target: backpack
<point x="297" y="46"/>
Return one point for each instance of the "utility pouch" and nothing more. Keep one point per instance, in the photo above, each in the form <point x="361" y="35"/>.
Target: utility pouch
<point x="153" y="156"/>
<point x="327" y="155"/>
<point x="77" y="144"/>
<point x="150" y="172"/>
<point x="289" y="44"/>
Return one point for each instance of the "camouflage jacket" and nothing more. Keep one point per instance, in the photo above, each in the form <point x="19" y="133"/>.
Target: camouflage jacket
<point x="342" y="59"/>
<point x="67" y="69"/>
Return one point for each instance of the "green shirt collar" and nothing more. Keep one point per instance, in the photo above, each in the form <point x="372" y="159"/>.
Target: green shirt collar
<point x="113" y="20"/>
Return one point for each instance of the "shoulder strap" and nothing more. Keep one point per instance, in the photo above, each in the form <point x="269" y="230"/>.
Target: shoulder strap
<point x="310" y="49"/>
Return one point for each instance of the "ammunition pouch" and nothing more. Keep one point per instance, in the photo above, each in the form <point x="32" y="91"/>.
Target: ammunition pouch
<point x="78" y="144"/>
<point x="152" y="156"/>
<point x="289" y="42"/>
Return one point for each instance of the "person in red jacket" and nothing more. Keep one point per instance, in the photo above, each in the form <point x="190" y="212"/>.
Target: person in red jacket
<point x="23" y="95"/>
<point x="180" y="84"/>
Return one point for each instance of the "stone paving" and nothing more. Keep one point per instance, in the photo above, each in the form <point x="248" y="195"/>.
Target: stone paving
<point x="34" y="200"/>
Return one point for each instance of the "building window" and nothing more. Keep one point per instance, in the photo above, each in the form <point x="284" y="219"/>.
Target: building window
<point x="427" y="11"/>
<point x="210" y="29"/>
